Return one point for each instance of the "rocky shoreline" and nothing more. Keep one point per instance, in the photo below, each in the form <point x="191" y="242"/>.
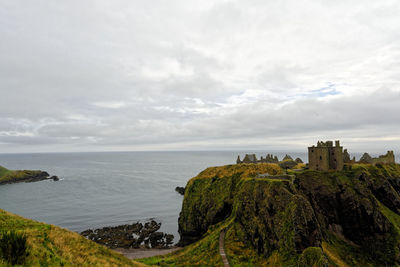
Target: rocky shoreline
<point x="27" y="176"/>
<point x="136" y="235"/>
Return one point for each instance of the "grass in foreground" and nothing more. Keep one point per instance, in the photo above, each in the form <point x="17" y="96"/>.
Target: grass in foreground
<point x="49" y="245"/>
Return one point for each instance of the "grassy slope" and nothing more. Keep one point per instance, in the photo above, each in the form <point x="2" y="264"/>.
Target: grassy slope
<point x="334" y="251"/>
<point x="3" y="171"/>
<point x="202" y="253"/>
<point x="49" y="245"/>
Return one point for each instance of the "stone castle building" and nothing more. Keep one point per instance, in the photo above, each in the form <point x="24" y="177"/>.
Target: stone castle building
<point x="325" y="156"/>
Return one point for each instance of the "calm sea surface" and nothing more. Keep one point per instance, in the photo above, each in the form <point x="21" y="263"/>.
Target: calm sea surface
<point x="105" y="189"/>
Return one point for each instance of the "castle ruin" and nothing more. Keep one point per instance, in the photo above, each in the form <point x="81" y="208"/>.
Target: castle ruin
<point x="325" y="156"/>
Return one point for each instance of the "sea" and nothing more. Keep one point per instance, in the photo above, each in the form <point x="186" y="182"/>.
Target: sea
<point x="109" y="188"/>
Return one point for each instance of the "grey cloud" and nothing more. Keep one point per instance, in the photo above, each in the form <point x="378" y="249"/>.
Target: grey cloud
<point x="122" y="75"/>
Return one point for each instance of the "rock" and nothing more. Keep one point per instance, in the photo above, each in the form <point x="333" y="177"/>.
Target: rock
<point x="156" y="239"/>
<point x="180" y="190"/>
<point x="55" y="178"/>
<point x="130" y="236"/>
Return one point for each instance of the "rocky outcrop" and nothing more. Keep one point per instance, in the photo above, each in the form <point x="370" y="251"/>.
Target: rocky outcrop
<point x="281" y="219"/>
<point x="131" y="236"/>
<point x="26" y="176"/>
<point x="180" y="190"/>
<point x="356" y="206"/>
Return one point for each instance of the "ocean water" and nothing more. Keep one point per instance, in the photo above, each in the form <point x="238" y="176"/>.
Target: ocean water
<point x="108" y="188"/>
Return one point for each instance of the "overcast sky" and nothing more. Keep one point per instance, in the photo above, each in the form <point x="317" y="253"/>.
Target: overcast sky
<point x="198" y="75"/>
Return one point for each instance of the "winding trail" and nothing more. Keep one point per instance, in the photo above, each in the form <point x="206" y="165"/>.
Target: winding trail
<point x="222" y="248"/>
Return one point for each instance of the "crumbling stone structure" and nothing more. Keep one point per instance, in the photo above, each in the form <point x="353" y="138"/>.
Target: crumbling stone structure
<point x="346" y="157"/>
<point x="298" y="160"/>
<point x="251" y="158"/>
<point x="325" y="156"/>
<point x="383" y="159"/>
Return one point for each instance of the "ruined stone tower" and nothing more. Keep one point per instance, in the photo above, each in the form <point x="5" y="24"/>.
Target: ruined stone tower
<point x="325" y="156"/>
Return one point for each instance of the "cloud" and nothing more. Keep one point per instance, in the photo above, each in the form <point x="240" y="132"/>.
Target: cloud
<point x="128" y="75"/>
<point x="111" y="105"/>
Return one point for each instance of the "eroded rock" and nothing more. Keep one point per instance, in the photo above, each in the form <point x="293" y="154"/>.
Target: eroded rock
<point x="131" y="236"/>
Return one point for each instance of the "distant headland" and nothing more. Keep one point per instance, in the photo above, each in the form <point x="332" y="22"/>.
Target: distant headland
<point x="11" y="176"/>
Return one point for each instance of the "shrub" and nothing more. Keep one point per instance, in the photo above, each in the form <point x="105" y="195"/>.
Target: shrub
<point x="13" y="247"/>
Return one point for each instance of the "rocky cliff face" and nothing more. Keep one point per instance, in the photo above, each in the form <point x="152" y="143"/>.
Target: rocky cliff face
<point x="352" y="215"/>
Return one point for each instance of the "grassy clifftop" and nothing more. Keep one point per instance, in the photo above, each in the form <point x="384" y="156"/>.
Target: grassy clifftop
<point x="49" y="245"/>
<point x="347" y="218"/>
<point x="3" y="171"/>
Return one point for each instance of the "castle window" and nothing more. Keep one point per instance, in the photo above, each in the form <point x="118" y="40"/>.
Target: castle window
<point x="312" y="150"/>
<point x="320" y="157"/>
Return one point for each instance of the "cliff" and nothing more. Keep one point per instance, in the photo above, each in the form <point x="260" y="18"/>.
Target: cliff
<point x="49" y="245"/>
<point x="342" y="218"/>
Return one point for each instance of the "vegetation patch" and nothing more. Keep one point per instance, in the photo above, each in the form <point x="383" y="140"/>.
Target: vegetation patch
<point x="13" y="247"/>
<point x="3" y="171"/>
<point x="49" y="245"/>
<point x="202" y="253"/>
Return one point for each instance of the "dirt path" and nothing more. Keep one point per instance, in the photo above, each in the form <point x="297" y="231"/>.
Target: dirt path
<point x="136" y="253"/>
<point x="222" y="248"/>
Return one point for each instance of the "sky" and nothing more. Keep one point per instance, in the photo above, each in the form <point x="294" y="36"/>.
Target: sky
<point x="128" y="75"/>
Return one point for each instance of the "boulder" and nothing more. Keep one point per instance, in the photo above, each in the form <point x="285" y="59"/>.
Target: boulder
<point x="180" y="190"/>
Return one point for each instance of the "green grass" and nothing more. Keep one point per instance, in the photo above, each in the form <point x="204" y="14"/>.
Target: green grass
<point x="49" y="245"/>
<point x="202" y="253"/>
<point x="392" y="217"/>
<point x="3" y="171"/>
<point x="9" y="175"/>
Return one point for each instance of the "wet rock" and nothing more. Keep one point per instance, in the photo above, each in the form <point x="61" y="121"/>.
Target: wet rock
<point x="180" y="190"/>
<point x="130" y="236"/>
<point x="55" y="178"/>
